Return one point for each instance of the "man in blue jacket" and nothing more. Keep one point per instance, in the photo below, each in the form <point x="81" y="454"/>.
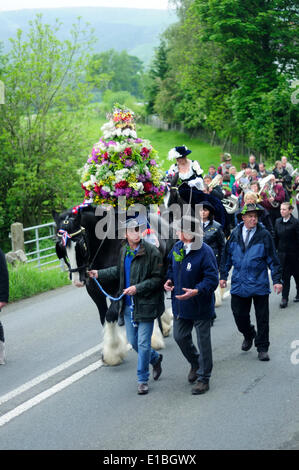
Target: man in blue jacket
<point x="250" y="250"/>
<point x="192" y="278"/>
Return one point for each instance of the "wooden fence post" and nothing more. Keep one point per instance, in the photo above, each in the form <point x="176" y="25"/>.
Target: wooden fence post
<point x="17" y="236"/>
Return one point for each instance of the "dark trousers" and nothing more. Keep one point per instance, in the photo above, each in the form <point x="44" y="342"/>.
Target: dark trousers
<point x="1" y="333"/>
<point x="290" y="267"/>
<point x="241" y="311"/>
<point x="200" y="359"/>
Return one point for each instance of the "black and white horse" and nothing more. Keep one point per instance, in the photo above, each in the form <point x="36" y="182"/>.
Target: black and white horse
<point x="82" y="250"/>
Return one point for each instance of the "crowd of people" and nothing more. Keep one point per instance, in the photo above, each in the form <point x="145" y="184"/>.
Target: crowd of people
<point x="263" y="235"/>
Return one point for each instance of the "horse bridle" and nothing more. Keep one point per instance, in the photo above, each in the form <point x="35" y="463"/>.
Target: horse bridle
<point x="64" y="235"/>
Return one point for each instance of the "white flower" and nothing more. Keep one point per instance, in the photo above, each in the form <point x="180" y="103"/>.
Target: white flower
<point x="137" y="186"/>
<point x="93" y="179"/>
<point x="172" y="154"/>
<point x="121" y="175"/>
<point x="88" y="184"/>
<point x="107" y="189"/>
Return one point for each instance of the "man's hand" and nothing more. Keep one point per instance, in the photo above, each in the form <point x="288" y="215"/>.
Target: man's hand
<point x="188" y="294"/>
<point x="277" y="288"/>
<point x="222" y="284"/>
<point x="93" y="273"/>
<point x="168" y="286"/>
<point x="130" y="290"/>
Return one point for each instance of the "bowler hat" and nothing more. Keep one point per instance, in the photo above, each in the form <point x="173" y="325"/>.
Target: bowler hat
<point x="209" y="206"/>
<point x="250" y="208"/>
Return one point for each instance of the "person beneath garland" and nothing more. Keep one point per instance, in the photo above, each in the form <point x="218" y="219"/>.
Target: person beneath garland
<point x="184" y="170"/>
<point x="140" y="274"/>
<point x="192" y="278"/>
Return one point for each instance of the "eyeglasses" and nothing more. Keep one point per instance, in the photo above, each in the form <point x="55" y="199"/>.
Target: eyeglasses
<point x="133" y="229"/>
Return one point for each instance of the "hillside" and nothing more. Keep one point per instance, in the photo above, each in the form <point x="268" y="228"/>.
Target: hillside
<point x="135" y="30"/>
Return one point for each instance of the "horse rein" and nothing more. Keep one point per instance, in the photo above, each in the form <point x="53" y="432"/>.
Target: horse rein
<point x="64" y="235"/>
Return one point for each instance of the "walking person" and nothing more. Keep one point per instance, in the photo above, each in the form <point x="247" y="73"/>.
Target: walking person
<point x="4" y="294"/>
<point x="192" y="278"/>
<point x="140" y="275"/>
<point x="287" y="245"/>
<point x="251" y="251"/>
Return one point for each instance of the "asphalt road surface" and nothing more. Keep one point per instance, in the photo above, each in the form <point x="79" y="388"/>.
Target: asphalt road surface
<point x="55" y="393"/>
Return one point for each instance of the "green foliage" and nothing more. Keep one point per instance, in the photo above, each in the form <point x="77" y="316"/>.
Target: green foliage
<point x="124" y="97"/>
<point x="41" y="134"/>
<point x="229" y="68"/>
<point x="116" y="71"/>
<point x="26" y="281"/>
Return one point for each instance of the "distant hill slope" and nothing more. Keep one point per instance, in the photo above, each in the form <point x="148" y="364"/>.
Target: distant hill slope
<point x="135" y="30"/>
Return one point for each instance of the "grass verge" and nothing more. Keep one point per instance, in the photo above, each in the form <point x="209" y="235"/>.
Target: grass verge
<point x="26" y="281"/>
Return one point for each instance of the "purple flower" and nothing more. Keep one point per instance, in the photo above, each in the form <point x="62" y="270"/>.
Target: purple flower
<point x="119" y="192"/>
<point x="155" y="189"/>
<point x="148" y="175"/>
<point x="135" y="193"/>
<point x="104" y="193"/>
<point x="138" y="141"/>
<point x="128" y="192"/>
<point x="141" y="178"/>
<point x="153" y="162"/>
<point x="129" y="163"/>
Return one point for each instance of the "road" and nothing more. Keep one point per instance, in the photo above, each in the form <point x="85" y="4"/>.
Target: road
<point x="85" y="405"/>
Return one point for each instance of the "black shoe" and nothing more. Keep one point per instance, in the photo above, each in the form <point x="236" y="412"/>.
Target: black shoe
<point x="157" y="369"/>
<point x="142" y="389"/>
<point x="192" y="376"/>
<point x="247" y="343"/>
<point x="263" y="356"/>
<point x="283" y="303"/>
<point x="200" y="388"/>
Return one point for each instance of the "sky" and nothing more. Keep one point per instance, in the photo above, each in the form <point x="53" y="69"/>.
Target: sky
<point x="21" y="4"/>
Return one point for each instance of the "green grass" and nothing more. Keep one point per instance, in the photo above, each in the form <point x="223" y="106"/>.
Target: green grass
<point x="26" y="281"/>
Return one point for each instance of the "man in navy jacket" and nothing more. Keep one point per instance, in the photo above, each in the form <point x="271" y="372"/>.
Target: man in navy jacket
<point x="192" y="278"/>
<point x="250" y="250"/>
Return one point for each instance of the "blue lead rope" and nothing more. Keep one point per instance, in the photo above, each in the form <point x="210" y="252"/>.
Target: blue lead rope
<point x="118" y="298"/>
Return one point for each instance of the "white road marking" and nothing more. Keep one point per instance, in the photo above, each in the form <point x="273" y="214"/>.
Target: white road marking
<point x="4" y="419"/>
<point x="46" y="375"/>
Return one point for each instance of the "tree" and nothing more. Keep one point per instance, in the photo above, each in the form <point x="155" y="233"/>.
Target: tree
<point x="116" y="71"/>
<point x="41" y="137"/>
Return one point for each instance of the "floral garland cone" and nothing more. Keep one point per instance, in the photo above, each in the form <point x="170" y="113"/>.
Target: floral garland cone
<point x="121" y="164"/>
